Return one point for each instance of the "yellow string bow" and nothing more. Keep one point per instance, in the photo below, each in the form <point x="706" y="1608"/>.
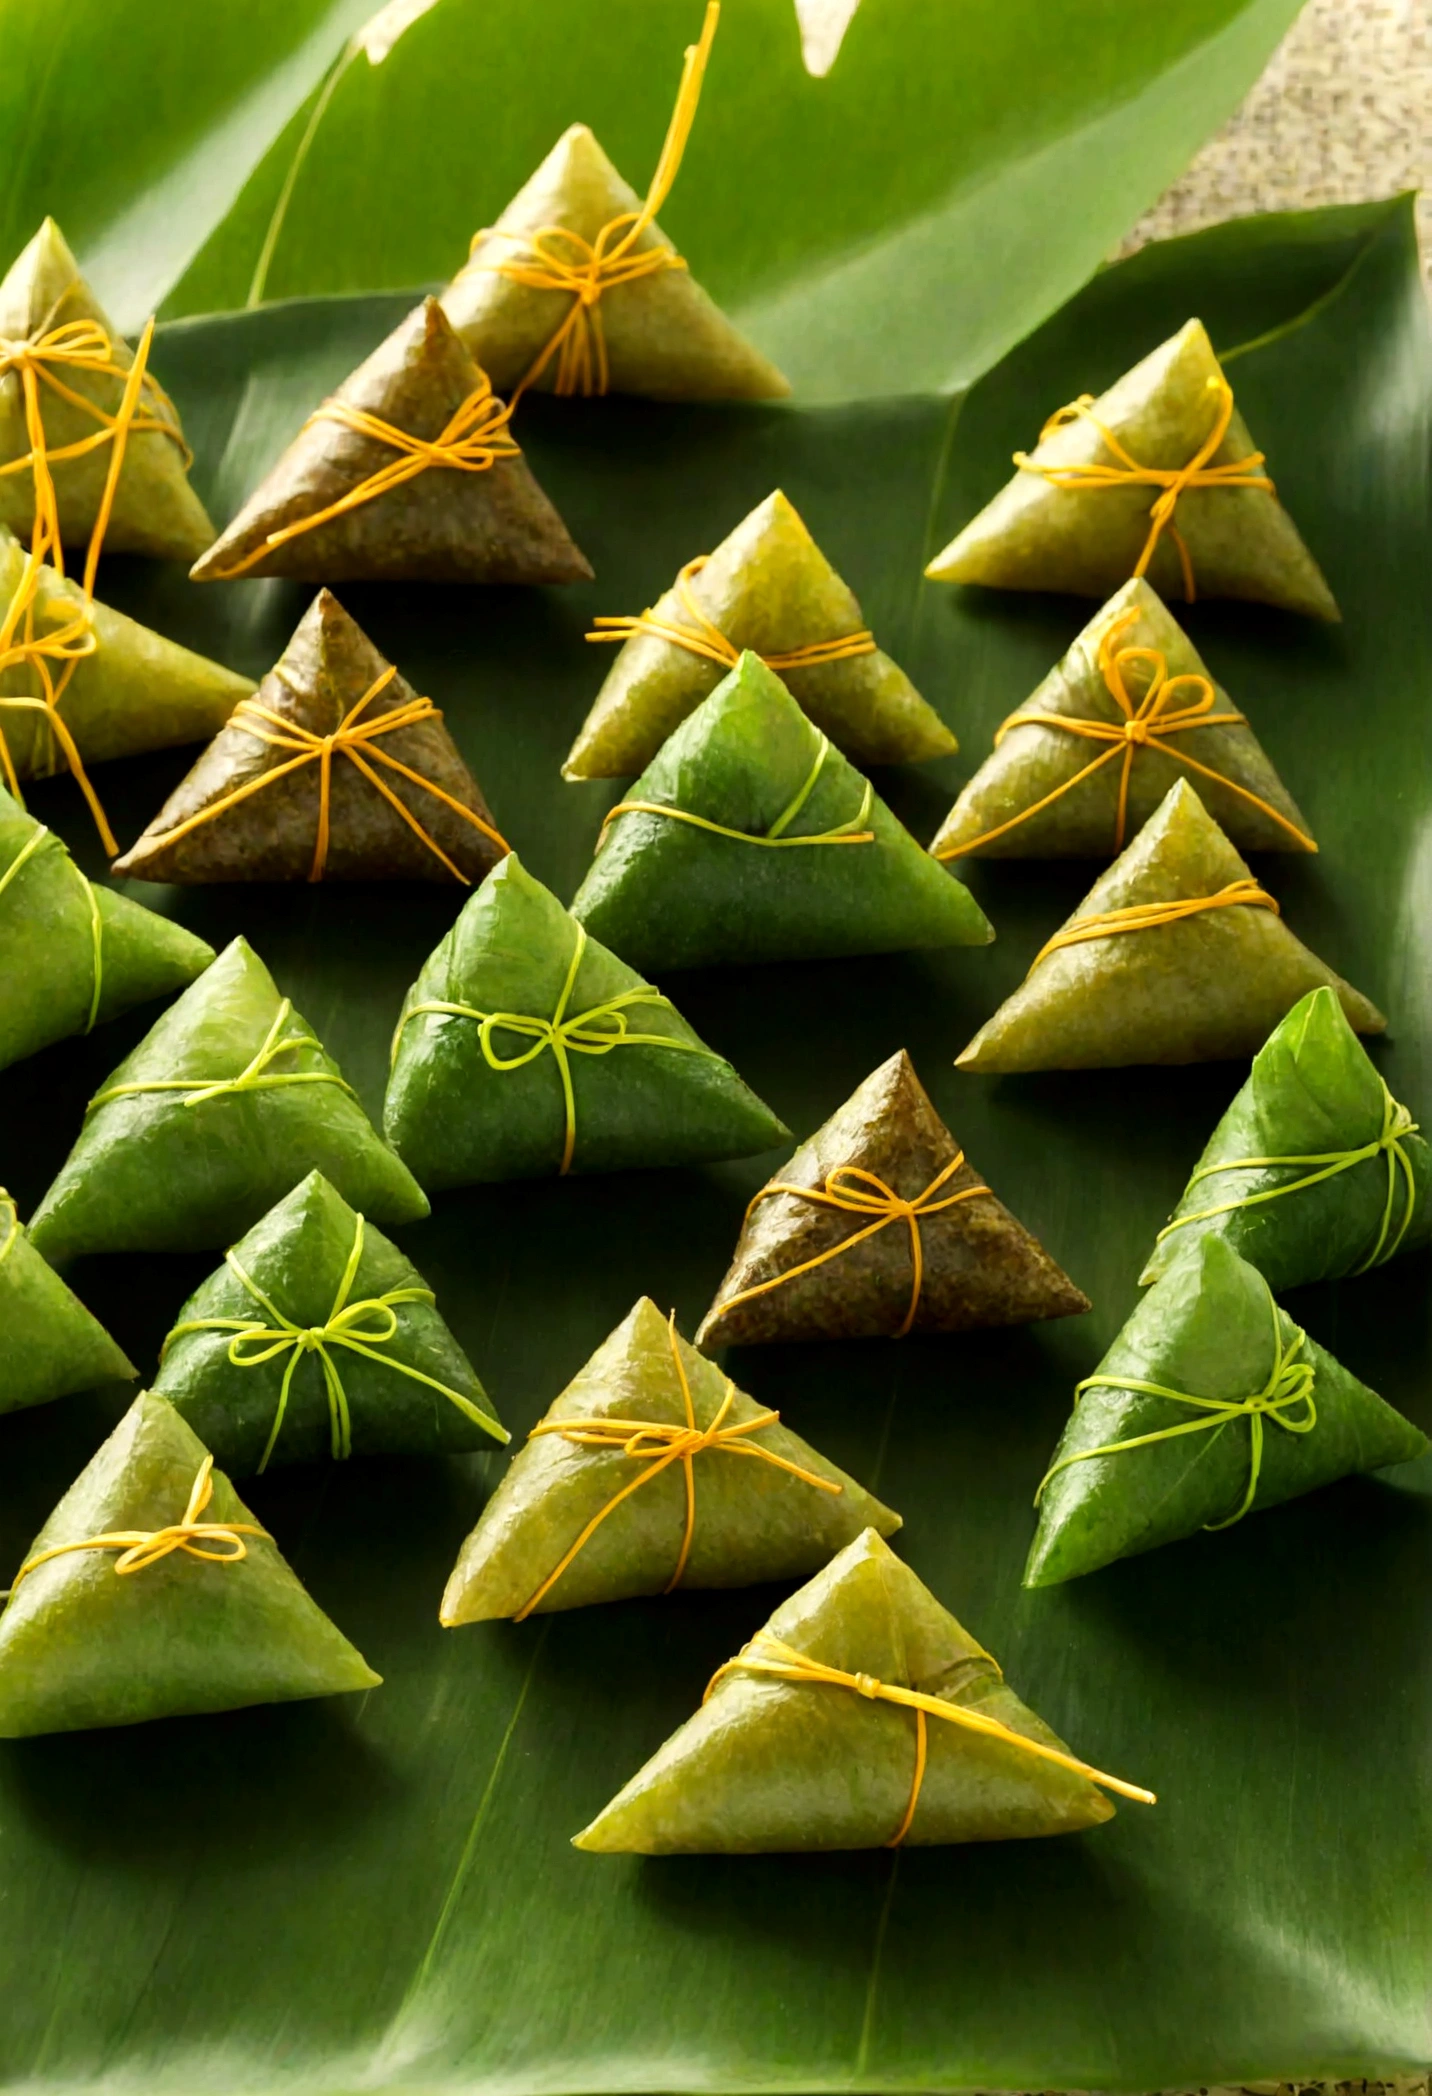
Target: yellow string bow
<point x="1397" y="1122"/>
<point x="362" y="1327"/>
<point x="769" y="1655"/>
<point x="656" y="1445"/>
<point x="704" y="638"/>
<point x="354" y="738"/>
<point x="1126" y="472"/>
<point x="858" y="1192"/>
<point x="596" y="1031"/>
<point x="1152" y="916"/>
<point x="81" y="346"/>
<point x="473" y="439"/>
<point x="1289" y="1385"/>
<point x="851" y="832"/>
<point x="140" y="1548"/>
<point x="256" y="1076"/>
<point x="554" y="258"/>
<point x="27" y="851"/>
<point x="1145" y="726"/>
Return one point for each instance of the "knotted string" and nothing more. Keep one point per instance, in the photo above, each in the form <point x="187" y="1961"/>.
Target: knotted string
<point x="12" y="1227"/>
<point x="851" y="832"/>
<point x="1173" y="482"/>
<point x="1152" y="916"/>
<point x="656" y="1445"/>
<point x="354" y="738"/>
<point x="32" y="844"/>
<point x="1145" y="726"/>
<point x="1397" y="1122"/>
<point x="140" y="1548"/>
<point x="769" y="1655"/>
<point x="256" y="1076"/>
<point x="363" y="1328"/>
<point x="554" y="258"/>
<point x="596" y="1031"/>
<point x="1289" y="1385"/>
<point x="858" y="1192"/>
<point x="704" y="638"/>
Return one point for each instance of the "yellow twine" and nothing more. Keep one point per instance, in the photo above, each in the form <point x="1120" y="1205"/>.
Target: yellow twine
<point x="851" y="832"/>
<point x="704" y="638"/>
<point x="1152" y="916"/>
<point x="256" y="1076"/>
<point x="12" y="1228"/>
<point x="32" y="844"/>
<point x="142" y="1547"/>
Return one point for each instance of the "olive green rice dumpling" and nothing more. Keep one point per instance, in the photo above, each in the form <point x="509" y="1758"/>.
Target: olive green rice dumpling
<point x="1315" y="1171"/>
<point x="275" y="798"/>
<point x="827" y="1253"/>
<point x="767" y="587"/>
<point x="72" y="954"/>
<point x="750" y="838"/>
<point x="317" y="1339"/>
<point x="155" y="510"/>
<point x="151" y="1592"/>
<point x="226" y="1102"/>
<point x="1210" y="1404"/>
<point x="336" y="508"/>
<point x="525" y="1048"/>
<point x="1191" y="962"/>
<point x="1084" y="762"/>
<point x="1090" y="505"/>
<point x="50" y="1345"/>
<point x="794" y="1746"/>
<point x="650" y="1472"/>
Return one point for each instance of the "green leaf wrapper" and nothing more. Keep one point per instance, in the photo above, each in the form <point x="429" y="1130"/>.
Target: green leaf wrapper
<point x="1088" y="540"/>
<point x="770" y="1765"/>
<point x="443" y="525"/>
<point x="72" y="954"/>
<point x="978" y="1265"/>
<point x="767" y="587"/>
<point x="1032" y="762"/>
<point x="153" y="1172"/>
<point x="269" y="1398"/>
<point x="82" y="1646"/>
<point x="50" y="1345"/>
<point x="663" y="336"/>
<point x="1312" y="1094"/>
<point x="1207" y="987"/>
<point x="753" y="1520"/>
<point x="322" y="676"/>
<point x="669" y="894"/>
<point x="1206" y="1330"/>
<point x="155" y="510"/>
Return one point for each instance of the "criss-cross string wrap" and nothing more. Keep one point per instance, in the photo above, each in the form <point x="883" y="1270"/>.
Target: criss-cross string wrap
<point x="1286" y="1401"/>
<point x="357" y="740"/>
<point x="854" y="1191"/>
<point x="656" y="1445"/>
<point x="554" y="258"/>
<point x="851" y="832"/>
<point x="702" y="636"/>
<point x="256" y="1076"/>
<point x="771" y="1656"/>
<point x="1145" y="726"/>
<point x="1125" y="471"/>
<point x="364" y="1327"/>
<point x="1151" y="916"/>
<point x="80" y="347"/>
<point x="596" y="1031"/>
<point x="1397" y="1122"/>
<point x="473" y="439"/>
<point x="139" y="1548"/>
<point x="33" y="843"/>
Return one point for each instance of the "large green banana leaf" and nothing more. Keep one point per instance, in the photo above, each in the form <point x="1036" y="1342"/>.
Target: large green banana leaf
<point x="324" y="1899"/>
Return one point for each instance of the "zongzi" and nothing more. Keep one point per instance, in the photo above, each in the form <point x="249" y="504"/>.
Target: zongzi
<point x="50" y="1345"/>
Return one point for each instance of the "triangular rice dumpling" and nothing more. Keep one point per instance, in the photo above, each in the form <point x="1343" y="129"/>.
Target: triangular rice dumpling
<point x="1256" y="1413"/>
<point x="661" y="334"/>
<point x="1080" y="516"/>
<point x="601" y="1505"/>
<point x="73" y="955"/>
<point x="155" y="510"/>
<point x="198" y="1621"/>
<point x="460" y="523"/>
<point x="49" y="1343"/>
<point x="827" y="1254"/>
<point x="525" y="1048"/>
<point x="316" y="1338"/>
<point x="767" y="587"/>
<point x="790" y="1759"/>
<point x="226" y="1102"/>
<point x="777" y="850"/>
<point x="1161" y="983"/>
<point x="343" y="820"/>
<point x="1131" y="693"/>
<point x="1315" y="1171"/>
